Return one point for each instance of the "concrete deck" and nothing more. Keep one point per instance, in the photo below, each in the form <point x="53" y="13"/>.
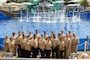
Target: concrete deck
<point x="79" y="56"/>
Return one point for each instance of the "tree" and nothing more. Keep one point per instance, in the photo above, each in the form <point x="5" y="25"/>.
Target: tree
<point x="26" y="0"/>
<point x="12" y="0"/>
<point x="8" y="1"/>
<point x="67" y="1"/>
<point x="84" y="3"/>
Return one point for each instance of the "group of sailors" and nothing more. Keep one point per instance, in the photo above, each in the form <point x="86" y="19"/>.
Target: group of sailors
<point x="60" y="46"/>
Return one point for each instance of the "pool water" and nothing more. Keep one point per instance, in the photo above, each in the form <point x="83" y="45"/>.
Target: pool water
<point x="81" y="28"/>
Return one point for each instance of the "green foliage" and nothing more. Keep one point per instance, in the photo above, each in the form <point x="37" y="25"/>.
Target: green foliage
<point x="0" y="7"/>
<point x="26" y="0"/>
<point x="84" y="3"/>
<point x="12" y="0"/>
<point x="67" y="0"/>
<point x="8" y="1"/>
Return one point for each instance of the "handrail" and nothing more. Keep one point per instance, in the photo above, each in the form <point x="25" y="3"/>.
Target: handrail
<point x="1" y="45"/>
<point x="81" y="44"/>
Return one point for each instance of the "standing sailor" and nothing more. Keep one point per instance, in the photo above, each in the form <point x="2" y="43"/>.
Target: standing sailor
<point x="48" y="47"/>
<point x="55" y="43"/>
<point x="28" y="47"/>
<point x="14" y="38"/>
<point x="18" y="40"/>
<point x="74" y="43"/>
<point x="38" y="37"/>
<point x="67" y="46"/>
<point x="12" y="46"/>
<point x="61" y="47"/>
<point x="35" y="47"/>
<point x="22" y="44"/>
<point x="42" y="46"/>
<point x="6" y="44"/>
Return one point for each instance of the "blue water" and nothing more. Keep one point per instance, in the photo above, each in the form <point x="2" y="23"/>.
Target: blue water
<point x="82" y="28"/>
